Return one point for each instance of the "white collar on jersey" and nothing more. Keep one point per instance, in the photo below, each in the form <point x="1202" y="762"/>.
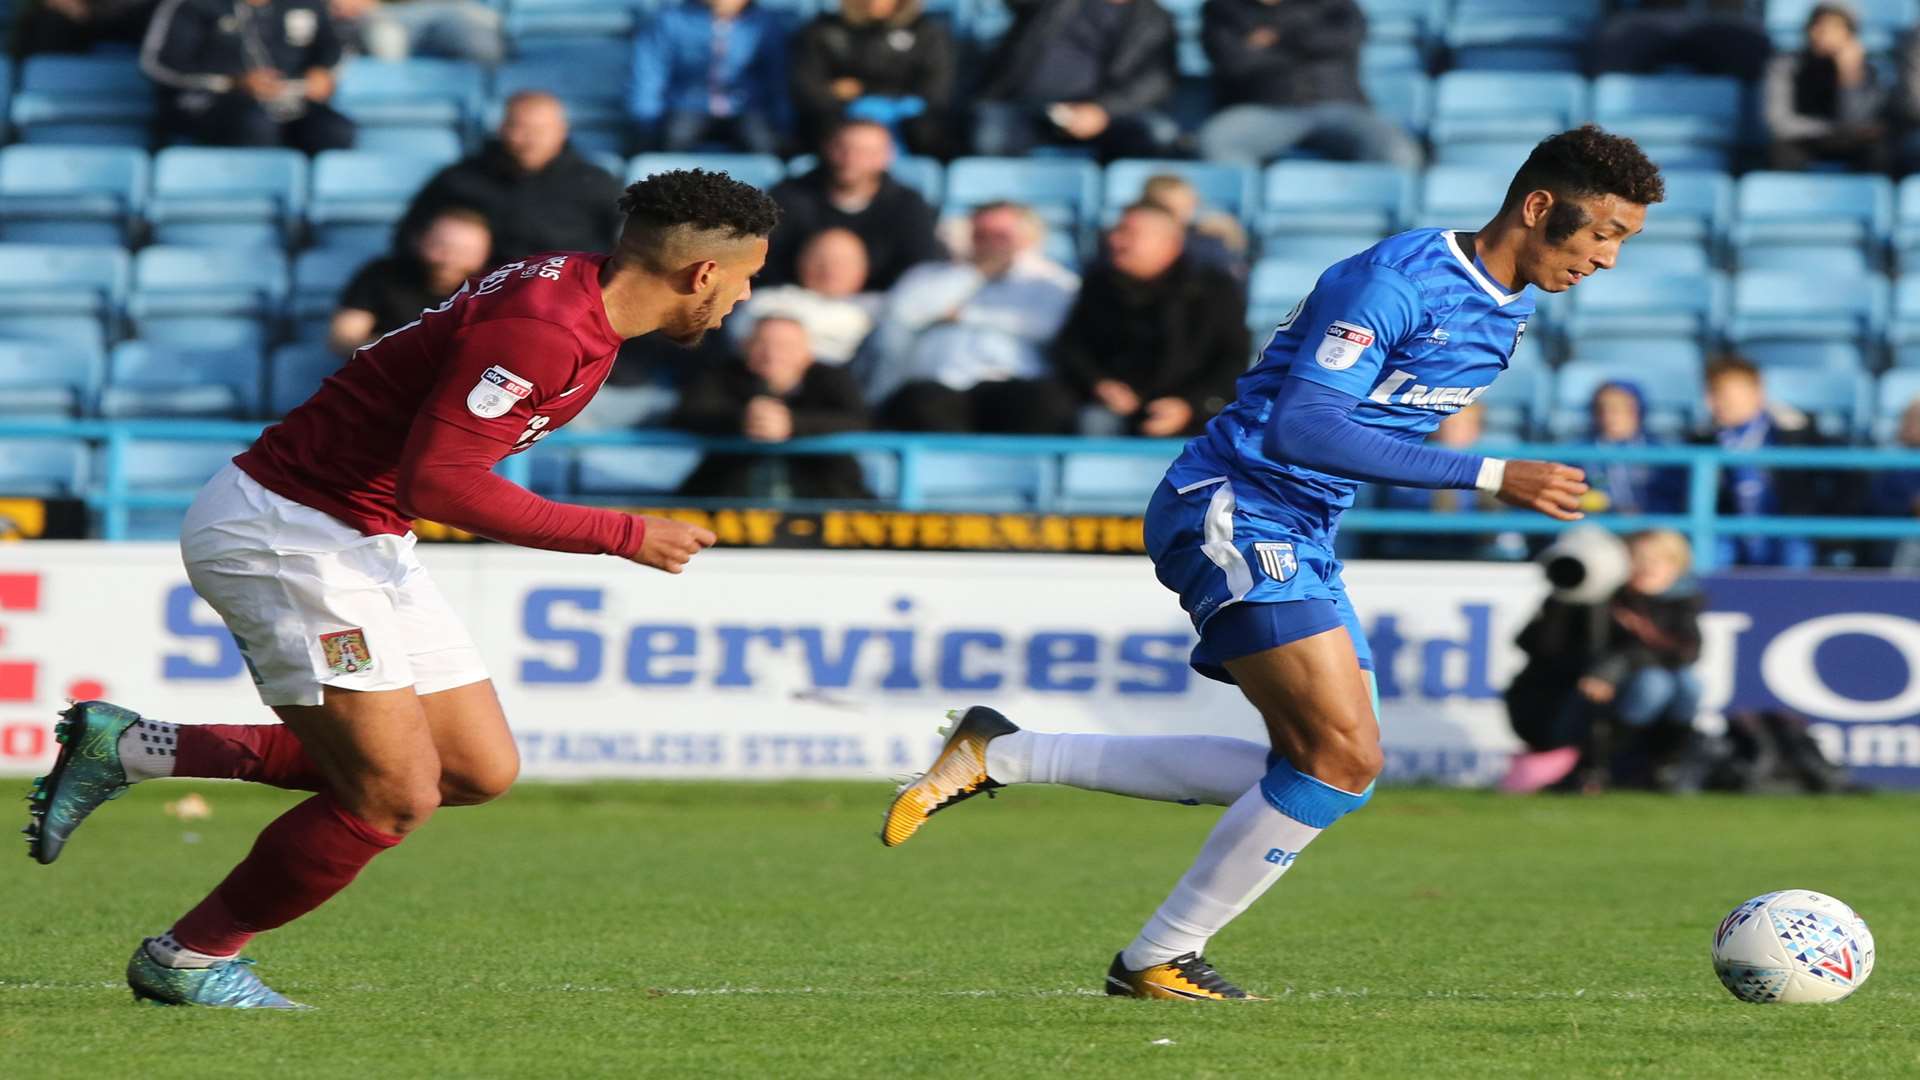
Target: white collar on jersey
<point x="1499" y="295"/>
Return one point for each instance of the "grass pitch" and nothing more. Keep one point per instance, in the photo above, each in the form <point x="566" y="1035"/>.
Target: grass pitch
<point x="733" y="930"/>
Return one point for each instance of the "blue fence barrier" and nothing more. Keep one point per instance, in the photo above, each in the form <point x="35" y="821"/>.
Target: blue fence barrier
<point x="111" y="496"/>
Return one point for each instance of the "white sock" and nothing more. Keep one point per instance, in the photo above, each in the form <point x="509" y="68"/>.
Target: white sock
<point x="170" y="953"/>
<point x="147" y="750"/>
<point x="1248" y="850"/>
<point x="1170" y="768"/>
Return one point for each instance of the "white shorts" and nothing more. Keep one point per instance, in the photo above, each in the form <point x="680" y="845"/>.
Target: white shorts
<point x="314" y="602"/>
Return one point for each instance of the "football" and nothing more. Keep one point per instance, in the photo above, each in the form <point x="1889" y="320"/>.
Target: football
<point x="1793" y="946"/>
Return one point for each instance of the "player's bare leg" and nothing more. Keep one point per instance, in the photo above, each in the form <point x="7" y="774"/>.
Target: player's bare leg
<point x="1317" y="704"/>
<point x="479" y="760"/>
<point x="375" y="752"/>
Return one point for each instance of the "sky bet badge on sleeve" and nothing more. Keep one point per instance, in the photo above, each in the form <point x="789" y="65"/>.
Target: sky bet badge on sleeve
<point x="497" y="392"/>
<point x="1343" y="345"/>
<point x="346" y="651"/>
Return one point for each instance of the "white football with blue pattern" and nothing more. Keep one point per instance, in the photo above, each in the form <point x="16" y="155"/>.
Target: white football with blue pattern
<point x="1793" y="947"/>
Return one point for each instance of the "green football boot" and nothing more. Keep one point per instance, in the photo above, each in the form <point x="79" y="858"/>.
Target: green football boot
<point x="230" y="984"/>
<point x="86" y="774"/>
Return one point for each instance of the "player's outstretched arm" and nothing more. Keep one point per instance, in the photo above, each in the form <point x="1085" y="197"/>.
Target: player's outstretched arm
<point x="668" y="544"/>
<point x="1313" y="426"/>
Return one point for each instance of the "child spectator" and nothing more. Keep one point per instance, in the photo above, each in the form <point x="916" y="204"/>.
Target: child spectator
<point x="1618" y="411"/>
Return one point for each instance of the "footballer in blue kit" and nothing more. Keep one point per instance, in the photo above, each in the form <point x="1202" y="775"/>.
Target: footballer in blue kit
<point x="1389" y="341"/>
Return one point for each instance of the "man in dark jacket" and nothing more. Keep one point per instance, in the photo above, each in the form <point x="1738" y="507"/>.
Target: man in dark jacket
<point x="1826" y="102"/>
<point x="1286" y="74"/>
<point x="884" y="60"/>
<point x="1743" y="419"/>
<point x="775" y="393"/>
<point x="1154" y="341"/>
<point x="851" y="190"/>
<point x="248" y="72"/>
<point x="536" y="193"/>
<point x="1086" y="72"/>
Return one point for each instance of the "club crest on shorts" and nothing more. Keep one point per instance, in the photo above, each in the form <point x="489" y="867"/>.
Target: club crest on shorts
<point x="1277" y="560"/>
<point x="346" y="651"/>
<point x="497" y="392"/>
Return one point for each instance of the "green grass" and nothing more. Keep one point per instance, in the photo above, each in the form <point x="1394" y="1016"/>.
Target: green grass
<point x="715" y="930"/>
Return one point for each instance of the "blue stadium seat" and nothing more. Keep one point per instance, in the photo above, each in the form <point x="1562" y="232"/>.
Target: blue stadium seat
<point x="1668" y="373"/>
<point x="631" y="470"/>
<point x="1519" y="401"/>
<point x="173" y="465"/>
<point x="1352" y="198"/>
<point x="1904" y="324"/>
<point x="1275" y="288"/>
<point x="1651" y="304"/>
<point x="58" y="279"/>
<point x="409" y="93"/>
<point x="1700" y="109"/>
<point x="229" y="197"/>
<point x="1378" y="55"/>
<point x="1498" y="106"/>
<point x="1322" y="249"/>
<point x="1907" y="356"/>
<point x="80" y="333"/>
<point x="1405" y="97"/>
<point x="145" y="379"/>
<point x="1881" y="21"/>
<point x="441" y="143"/>
<point x="1898" y="390"/>
<point x="959" y="480"/>
<point x="83" y="100"/>
<point x="1839" y="403"/>
<point x="1063" y="191"/>
<point x="1838" y="356"/>
<point x="1495" y="155"/>
<point x="1783" y="305"/>
<point x="1404" y="20"/>
<point x="360" y="194"/>
<point x="71" y="194"/>
<point x="175" y="289"/>
<point x="1906" y="230"/>
<point x="1233" y="189"/>
<point x="1813" y="209"/>
<point x="550" y="471"/>
<point x="43" y="468"/>
<point x="1836" y="261"/>
<point x="570" y="18"/>
<point x="761" y="170"/>
<point x="1698" y="206"/>
<point x="1666" y="256"/>
<point x="294" y="372"/>
<point x="42" y="380"/>
<point x="1109" y="483"/>
<point x="1461" y="197"/>
<point x="319" y="276"/>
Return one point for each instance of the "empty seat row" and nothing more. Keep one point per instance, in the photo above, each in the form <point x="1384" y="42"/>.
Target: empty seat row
<point x="146" y="379"/>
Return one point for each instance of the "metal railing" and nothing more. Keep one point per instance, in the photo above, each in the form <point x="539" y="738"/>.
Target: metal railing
<point x="112" y="497"/>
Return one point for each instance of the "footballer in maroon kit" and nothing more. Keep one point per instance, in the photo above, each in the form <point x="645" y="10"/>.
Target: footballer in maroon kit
<point x="303" y="545"/>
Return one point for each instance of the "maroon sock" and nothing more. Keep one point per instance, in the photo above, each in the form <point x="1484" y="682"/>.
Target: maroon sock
<point x="261" y="753"/>
<point x="308" y="854"/>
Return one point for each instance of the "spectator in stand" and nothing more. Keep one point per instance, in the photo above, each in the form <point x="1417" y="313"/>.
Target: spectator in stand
<point x="536" y="192"/>
<point x="880" y="60"/>
<point x="775" y="393"/>
<point x="1714" y="37"/>
<point x="1743" y="419"/>
<point x="248" y="72"/>
<point x="1896" y="492"/>
<point x="392" y="291"/>
<point x="1618" y="410"/>
<point x="1213" y="238"/>
<point x="1826" y="103"/>
<point x="1093" y="73"/>
<point x="1286" y="75"/>
<point x="76" y="26"/>
<point x="850" y="189"/>
<point x="709" y="71"/>
<point x="1153" y="342"/>
<point x="397" y="29"/>
<point x="962" y="345"/>
<point x="1645" y="671"/>
<point x="828" y="301"/>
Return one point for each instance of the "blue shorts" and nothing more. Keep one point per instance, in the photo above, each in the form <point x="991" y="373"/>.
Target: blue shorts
<point x="1248" y="584"/>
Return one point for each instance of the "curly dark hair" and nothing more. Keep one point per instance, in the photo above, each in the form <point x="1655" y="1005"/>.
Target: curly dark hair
<point x="702" y="200"/>
<point x="1583" y="163"/>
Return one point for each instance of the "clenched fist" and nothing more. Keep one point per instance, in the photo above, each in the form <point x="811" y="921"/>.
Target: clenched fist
<point x="1546" y="486"/>
<point x="668" y="544"/>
